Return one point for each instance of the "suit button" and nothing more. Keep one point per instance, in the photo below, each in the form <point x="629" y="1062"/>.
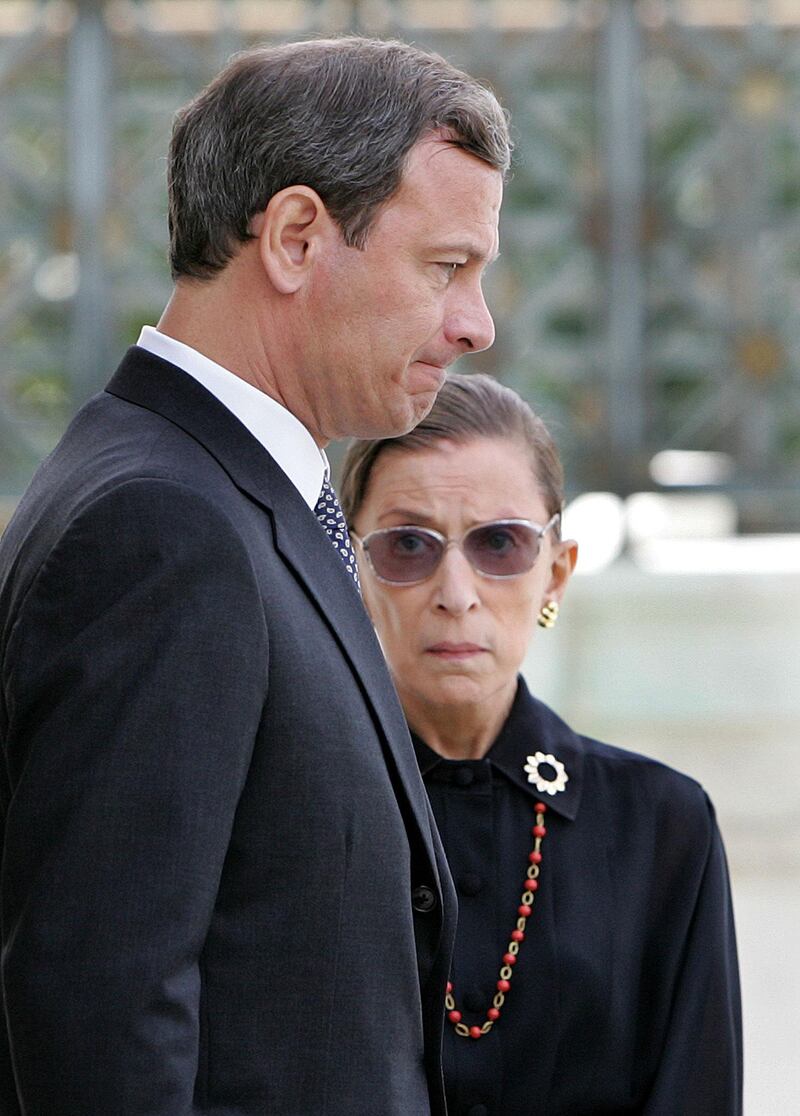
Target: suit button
<point x="423" y="899"/>
<point x="478" y="1110"/>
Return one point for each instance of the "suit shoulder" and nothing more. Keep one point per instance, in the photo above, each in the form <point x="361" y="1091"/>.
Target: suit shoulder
<point x="125" y="530"/>
<point x="151" y="500"/>
<point x="125" y="439"/>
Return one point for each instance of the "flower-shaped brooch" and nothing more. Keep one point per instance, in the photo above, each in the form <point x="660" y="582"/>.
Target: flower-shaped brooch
<point x="535" y="776"/>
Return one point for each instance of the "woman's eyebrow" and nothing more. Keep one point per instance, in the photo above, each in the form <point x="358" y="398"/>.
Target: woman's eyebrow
<point x="408" y="517"/>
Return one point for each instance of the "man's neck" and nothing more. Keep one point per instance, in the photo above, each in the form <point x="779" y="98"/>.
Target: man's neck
<point x="237" y="321"/>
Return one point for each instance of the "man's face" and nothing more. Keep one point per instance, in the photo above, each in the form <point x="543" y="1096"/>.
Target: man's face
<point x="385" y="321"/>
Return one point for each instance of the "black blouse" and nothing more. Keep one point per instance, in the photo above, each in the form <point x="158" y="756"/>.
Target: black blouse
<point x="625" y="995"/>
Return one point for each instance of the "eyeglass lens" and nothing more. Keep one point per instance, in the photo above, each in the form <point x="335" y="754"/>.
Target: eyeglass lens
<point x="408" y="554"/>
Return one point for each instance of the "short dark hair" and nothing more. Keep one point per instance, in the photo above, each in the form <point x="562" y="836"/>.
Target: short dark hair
<point x="338" y="115"/>
<point x="467" y="407"/>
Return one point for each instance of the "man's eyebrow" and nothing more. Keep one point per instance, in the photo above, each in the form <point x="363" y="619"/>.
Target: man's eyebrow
<point x="464" y="249"/>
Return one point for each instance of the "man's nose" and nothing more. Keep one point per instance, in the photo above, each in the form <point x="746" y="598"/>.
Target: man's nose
<point x="470" y="326"/>
<point x="456" y="583"/>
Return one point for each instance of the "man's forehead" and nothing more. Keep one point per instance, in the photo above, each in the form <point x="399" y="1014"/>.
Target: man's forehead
<point x="437" y="174"/>
<point x="440" y="152"/>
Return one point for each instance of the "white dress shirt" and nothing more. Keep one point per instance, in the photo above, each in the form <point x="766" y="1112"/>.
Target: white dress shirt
<point x="277" y="429"/>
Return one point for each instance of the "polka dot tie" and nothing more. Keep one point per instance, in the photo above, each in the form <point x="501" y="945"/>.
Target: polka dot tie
<point x="332" y="519"/>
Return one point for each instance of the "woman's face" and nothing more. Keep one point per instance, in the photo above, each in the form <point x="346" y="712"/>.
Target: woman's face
<point x="458" y="638"/>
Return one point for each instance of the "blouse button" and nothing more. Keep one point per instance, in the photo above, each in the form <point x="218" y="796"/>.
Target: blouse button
<point x="474" y="1001"/>
<point x="470" y="883"/>
<point x="464" y="777"/>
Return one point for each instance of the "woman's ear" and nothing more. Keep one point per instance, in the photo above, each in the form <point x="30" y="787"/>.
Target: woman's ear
<point x="290" y="233"/>
<point x="562" y="565"/>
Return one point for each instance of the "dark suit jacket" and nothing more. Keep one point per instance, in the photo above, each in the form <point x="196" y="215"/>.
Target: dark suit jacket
<point x="221" y="889"/>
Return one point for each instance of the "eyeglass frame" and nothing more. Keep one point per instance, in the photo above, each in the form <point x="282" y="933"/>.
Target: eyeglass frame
<point x="448" y="542"/>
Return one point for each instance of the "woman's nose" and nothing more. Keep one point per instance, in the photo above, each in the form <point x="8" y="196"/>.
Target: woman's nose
<point x="456" y="589"/>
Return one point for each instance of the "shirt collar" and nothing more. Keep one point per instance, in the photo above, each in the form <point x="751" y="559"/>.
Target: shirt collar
<point x="279" y="432"/>
<point x="530" y="727"/>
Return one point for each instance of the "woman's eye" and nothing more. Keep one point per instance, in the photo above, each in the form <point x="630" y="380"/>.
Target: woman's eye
<point x="499" y="541"/>
<point x="408" y="544"/>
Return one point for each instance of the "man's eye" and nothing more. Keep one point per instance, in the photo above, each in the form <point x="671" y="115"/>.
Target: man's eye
<point x="449" y="269"/>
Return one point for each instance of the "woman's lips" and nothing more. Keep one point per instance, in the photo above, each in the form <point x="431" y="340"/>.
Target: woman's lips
<point x="455" y="650"/>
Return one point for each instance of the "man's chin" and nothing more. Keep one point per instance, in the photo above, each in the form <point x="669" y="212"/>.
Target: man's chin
<point x="422" y="404"/>
<point x="424" y="381"/>
<point x="418" y="407"/>
<point x="424" y="378"/>
<point x="402" y="418"/>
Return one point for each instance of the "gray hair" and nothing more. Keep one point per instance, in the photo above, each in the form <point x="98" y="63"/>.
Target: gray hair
<point x="337" y="115"/>
<point x="467" y="407"/>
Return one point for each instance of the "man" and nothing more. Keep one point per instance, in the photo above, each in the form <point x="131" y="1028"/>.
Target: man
<point x="221" y="889"/>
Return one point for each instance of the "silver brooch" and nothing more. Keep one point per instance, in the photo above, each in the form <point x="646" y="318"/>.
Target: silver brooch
<point x="546" y="786"/>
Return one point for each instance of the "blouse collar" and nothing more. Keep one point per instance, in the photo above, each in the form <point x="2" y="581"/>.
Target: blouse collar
<point x="530" y="728"/>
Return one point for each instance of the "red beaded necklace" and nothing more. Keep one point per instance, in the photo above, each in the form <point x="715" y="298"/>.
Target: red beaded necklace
<point x="524" y="911"/>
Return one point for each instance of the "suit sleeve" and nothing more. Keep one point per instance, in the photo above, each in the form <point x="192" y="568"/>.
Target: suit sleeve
<point x="700" y="1070"/>
<point x="135" y="682"/>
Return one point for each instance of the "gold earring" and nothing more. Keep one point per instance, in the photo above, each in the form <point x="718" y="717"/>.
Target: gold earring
<point x="548" y="615"/>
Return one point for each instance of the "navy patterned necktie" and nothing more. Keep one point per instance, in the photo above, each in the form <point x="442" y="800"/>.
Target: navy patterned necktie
<point x="332" y="519"/>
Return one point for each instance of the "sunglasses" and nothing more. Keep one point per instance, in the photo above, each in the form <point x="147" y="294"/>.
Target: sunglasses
<point x="500" y="549"/>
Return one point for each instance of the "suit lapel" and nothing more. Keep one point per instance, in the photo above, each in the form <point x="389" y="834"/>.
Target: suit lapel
<point x="153" y="383"/>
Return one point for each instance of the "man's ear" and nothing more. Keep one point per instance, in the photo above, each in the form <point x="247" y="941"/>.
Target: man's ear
<point x="291" y="232"/>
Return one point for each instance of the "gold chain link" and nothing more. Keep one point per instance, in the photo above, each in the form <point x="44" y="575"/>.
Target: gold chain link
<point x="506" y="971"/>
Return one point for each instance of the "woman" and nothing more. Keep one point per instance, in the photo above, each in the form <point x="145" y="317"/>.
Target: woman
<point x="595" y="965"/>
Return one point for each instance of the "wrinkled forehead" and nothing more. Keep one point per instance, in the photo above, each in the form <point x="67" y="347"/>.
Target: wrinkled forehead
<point x="464" y="482"/>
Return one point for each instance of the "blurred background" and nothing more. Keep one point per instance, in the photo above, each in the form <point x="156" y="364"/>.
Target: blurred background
<point x="646" y="303"/>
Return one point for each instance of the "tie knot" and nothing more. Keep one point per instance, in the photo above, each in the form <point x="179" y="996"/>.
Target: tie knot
<point x="330" y="515"/>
